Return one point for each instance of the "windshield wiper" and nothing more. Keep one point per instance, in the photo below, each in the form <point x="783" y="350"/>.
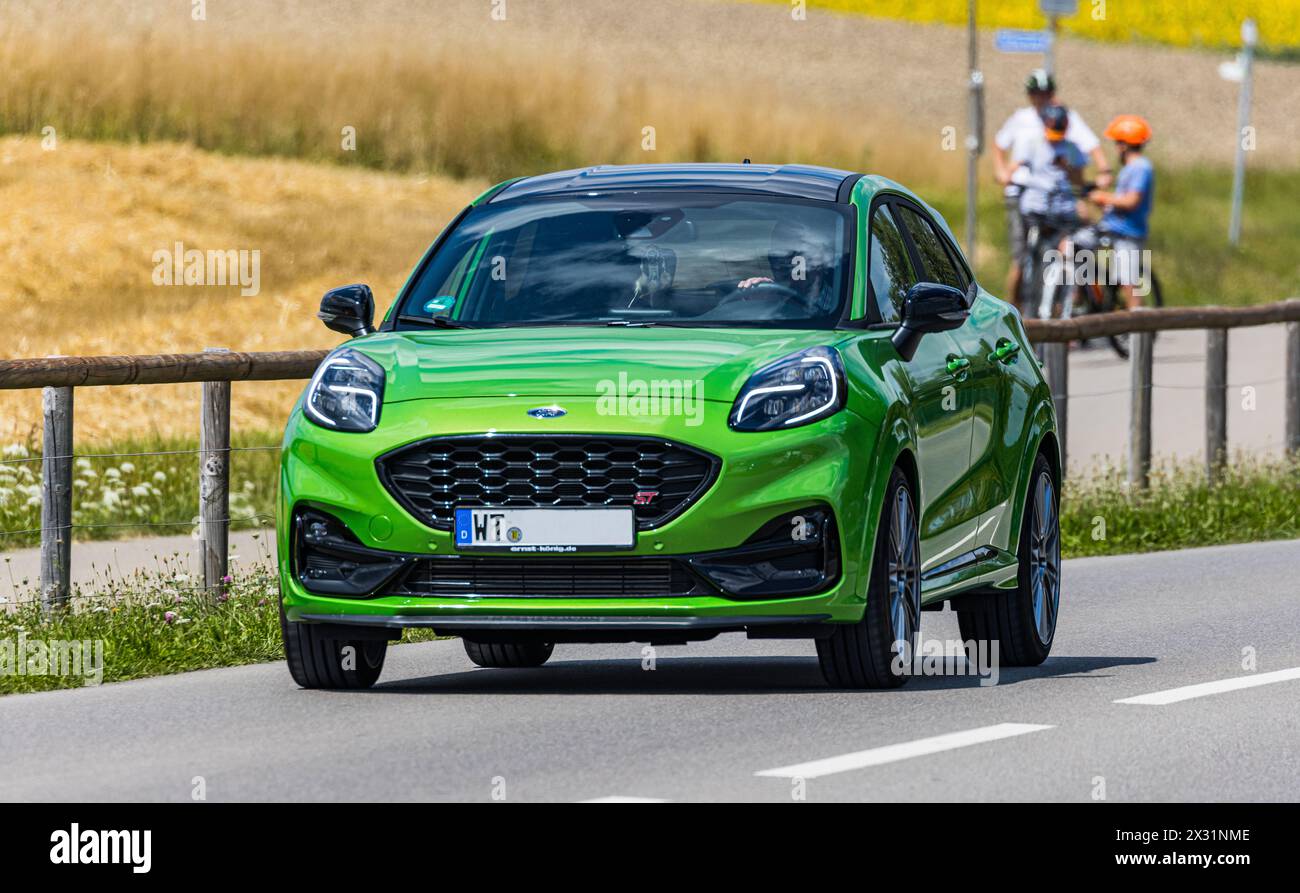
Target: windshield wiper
<point x="646" y="323"/>
<point x="437" y="322"/>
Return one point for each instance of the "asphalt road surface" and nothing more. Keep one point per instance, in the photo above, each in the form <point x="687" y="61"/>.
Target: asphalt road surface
<point x="1144" y="698"/>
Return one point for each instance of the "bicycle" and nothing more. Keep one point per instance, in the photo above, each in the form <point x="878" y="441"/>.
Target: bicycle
<point x="1100" y="292"/>
<point x="1039" y="278"/>
<point x="1097" y="293"/>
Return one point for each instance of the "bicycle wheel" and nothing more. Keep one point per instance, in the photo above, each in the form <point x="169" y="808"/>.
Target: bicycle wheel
<point x="1112" y="300"/>
<point x="1087" y="299"/>
<point x="1157" y="299"/>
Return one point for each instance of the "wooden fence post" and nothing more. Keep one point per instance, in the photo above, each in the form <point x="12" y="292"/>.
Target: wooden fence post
<point x="56" y="499"/>
<point x="1293" y="388"/>
<point x="1056" y="357"/>
<point x="1216" y="402"/>
<point x="1139" y="434"/>
<point x="214" y="482"/>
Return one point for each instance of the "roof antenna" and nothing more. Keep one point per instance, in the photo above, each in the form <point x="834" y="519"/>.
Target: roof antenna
<point x="746" y="161"/>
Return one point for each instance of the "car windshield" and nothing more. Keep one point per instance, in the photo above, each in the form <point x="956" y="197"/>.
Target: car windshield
<point x="715" y="260"/>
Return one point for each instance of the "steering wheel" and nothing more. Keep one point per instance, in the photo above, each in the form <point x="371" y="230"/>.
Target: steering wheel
<point x="760" y="291"/>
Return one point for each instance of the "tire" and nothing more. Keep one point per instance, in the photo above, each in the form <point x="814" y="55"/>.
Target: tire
<point x="317" y="661"/>
<point x="862" y="654"/>
<point x="1023" y="620"/>
<point x="508" y="654"/>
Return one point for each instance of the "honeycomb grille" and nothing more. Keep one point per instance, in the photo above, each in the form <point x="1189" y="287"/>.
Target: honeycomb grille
<point x="432" y="478"/>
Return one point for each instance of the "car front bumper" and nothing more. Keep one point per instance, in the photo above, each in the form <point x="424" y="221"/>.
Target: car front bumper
<point x="763" y="478"/>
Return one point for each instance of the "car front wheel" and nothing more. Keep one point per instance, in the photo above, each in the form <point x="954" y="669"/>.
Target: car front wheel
<point x="875" y="652"/>
<point x="319" y="661"/>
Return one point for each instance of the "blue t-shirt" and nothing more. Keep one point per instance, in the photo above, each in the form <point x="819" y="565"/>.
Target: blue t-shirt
<point x="1136" y="176"/>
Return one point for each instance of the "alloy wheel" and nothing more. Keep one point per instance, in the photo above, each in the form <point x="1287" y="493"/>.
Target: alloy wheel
<point x="904" y="570"/>
<point x="1045" y="559"/>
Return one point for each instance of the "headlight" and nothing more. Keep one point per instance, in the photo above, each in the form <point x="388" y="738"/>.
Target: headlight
<point x="795" y="390"/>
<point x="346" y="392"/>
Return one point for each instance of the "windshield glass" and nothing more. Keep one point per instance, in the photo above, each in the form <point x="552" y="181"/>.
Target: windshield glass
<point x="716" y="260"/>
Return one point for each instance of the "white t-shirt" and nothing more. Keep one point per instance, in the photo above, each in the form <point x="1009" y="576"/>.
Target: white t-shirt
<point x="1024" y="129"/>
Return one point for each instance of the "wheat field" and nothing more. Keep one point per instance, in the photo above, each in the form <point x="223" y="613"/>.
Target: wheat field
<point x="445" y="87"/>
<point x="77" y="238"/>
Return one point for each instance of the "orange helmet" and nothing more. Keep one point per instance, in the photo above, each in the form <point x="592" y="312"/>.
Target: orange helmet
<point x="1131" y="129"/>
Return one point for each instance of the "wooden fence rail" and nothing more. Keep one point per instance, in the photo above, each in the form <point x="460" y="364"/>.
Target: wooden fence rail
<point x="58" y="376"/>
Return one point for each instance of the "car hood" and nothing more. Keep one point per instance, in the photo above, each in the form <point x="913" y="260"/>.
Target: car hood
<point x="555" y="361"/>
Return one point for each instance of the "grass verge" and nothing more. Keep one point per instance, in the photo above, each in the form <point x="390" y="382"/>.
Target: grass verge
<point x="1256" y="500"/>
<point x="146" y="624"/>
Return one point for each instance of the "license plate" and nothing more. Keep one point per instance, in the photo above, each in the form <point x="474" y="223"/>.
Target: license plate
<point x="545" y="530"/>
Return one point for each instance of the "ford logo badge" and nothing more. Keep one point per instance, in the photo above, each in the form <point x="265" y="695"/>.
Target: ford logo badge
<point x="548" y="412"/>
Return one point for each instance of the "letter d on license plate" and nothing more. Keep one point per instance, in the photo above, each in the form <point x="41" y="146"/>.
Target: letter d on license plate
<point x="545" y="530"/>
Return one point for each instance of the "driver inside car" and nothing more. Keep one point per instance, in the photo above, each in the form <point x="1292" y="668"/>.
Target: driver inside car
<point x="800" y="262"/>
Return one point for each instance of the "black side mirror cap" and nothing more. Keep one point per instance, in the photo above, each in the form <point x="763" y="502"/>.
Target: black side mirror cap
<point x="350" y="310"/>
<point x="929" y="307"/>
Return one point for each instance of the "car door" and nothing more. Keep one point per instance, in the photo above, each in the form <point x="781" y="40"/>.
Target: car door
<point x="945" y="461"/>
<point x="984" y="343"/>
<point x="933" y="379"/>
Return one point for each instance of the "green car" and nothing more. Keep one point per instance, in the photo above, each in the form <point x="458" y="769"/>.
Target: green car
<point x="658" y="403"/>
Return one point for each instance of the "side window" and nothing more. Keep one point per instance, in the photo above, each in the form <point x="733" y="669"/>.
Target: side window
<point x="891" y="269"/>
<point x="939" y="264"/>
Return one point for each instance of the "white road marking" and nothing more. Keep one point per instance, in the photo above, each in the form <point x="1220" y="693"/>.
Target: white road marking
<point x="618" y="799"/>
<point x="1187" y="692"/>
<point x="892" y="753"/>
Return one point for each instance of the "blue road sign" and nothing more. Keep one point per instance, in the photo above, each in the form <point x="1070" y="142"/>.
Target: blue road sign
<point x="1015" y="40"/>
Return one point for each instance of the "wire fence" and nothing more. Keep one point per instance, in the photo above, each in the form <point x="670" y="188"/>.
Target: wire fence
<point x="180" y="490"/>
<point x="40" y="458"/>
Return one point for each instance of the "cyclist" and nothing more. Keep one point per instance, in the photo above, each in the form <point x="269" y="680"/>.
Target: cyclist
<point x="1049" y="176"/>
<point x="1128" y="208"/>
<point x="1022" y="130"/>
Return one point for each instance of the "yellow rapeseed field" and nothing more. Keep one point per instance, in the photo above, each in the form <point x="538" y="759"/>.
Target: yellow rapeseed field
<point x="1184" y="23"/>
<point x="78" y="235"/>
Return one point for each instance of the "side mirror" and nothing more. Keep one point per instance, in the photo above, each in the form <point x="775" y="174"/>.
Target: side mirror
<point x="350" y="310"/>
<point x="929" y="307"/>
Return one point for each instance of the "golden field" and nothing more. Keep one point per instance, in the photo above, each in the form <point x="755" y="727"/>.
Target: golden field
<point x="77" y="238"/>
<point x="1184" y="23"/>
<point x="444" y="87"/>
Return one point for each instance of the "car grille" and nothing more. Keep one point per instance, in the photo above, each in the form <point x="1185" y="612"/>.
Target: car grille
<point x="554" y="577"/>
<point x="432" y="478"/>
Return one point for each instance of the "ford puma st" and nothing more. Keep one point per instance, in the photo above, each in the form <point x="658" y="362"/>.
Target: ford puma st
<point x="658" y="403"/>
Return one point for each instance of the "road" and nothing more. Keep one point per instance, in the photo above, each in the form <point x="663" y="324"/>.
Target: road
<point x="733" y="719"/>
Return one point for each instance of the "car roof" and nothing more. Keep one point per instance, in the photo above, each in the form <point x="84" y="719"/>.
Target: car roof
<point x="792" y="180"/>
